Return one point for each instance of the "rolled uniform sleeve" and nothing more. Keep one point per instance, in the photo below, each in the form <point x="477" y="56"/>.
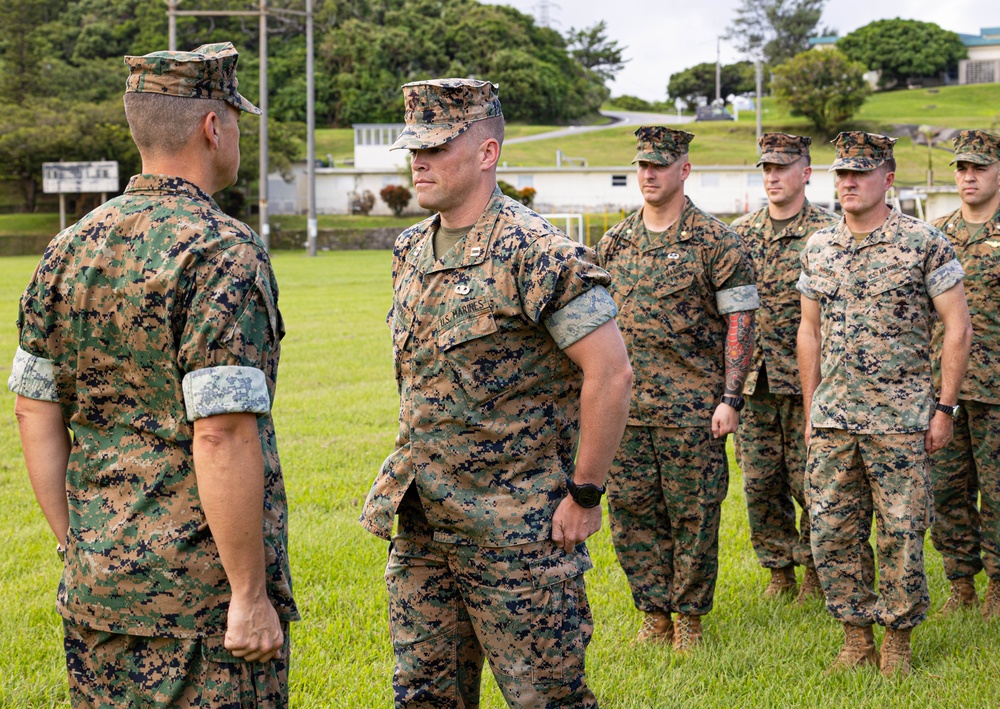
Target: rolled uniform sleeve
<point x="733" y="276"/>
<point x="33" y="377"/>
<point x="232" y="328"/>
<point x="581" y="316"/>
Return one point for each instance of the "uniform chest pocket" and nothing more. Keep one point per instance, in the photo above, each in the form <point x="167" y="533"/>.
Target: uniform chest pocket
<point x="677" y="301"/>
<point x="885" y="286"/>
<point x="484" y="363"/>
<point x="824" y="286"/>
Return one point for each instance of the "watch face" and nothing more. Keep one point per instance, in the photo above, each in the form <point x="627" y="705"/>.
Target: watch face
<point x="588" y="497"/>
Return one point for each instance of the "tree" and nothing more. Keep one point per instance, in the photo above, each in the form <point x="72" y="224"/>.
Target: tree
<point x="824" y="86"/>
<point x="699" y="80"/>
<point x="774" y="30"/>
<point x="592" y="48"/>
<point x="903" y="49"/>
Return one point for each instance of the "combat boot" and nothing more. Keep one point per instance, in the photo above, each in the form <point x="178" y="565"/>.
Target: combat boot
<point x="991" y="601"/>
<point x="858" y="650"/>
<point x="782" y="582"/>
<point x="687" y="632"/>
<point x="656" y="628"/>
<point x="811" y="587"/>
<point x="896" y="653"/>
<point x="963" y="595"/>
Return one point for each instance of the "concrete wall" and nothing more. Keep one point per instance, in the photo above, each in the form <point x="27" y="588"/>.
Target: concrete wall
<point x="716" y="189"/>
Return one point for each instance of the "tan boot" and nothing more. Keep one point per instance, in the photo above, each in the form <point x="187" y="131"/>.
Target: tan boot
<point x="782" y="582"/>
<point x="687" y="632"/>
<point x="858" y="650"/>
<point x="963" y="595"/>
<point x="656" y="628"/>
<point x="810" y="588"/>
<point x="991" y="601"/>
<point x="896" y="653"/>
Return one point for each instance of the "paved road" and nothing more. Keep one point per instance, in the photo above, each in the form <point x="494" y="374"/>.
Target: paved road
<point x="618" y="118"/>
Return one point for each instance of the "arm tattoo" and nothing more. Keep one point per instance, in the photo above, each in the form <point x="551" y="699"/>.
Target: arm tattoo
<point x="739" y="349"/>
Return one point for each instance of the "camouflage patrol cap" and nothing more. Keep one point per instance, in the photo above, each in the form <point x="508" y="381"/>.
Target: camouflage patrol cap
<point x="660" y="145"/>
<point x="860" y="151"/>
<point x="976" y="146"/>
<point x="782" y="148"/>
<point x="442" y="109"/>
<point x="207" y="72"/>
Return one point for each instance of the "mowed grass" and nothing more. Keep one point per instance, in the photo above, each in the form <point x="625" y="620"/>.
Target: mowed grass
<point x="336" y="418"/>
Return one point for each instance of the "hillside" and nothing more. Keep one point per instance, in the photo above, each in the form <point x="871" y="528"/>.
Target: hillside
<point x="734" y="143"/>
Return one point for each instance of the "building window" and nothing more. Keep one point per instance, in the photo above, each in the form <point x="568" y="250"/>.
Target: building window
<point x="980" y="72"/>
<point x="619" y="180"/>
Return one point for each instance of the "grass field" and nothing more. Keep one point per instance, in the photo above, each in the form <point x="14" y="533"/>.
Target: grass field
<point x="335" y="414"/>
<point x="728" y="143"/>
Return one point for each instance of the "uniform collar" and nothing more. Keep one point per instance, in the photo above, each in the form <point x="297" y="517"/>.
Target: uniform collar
<point x="679" y="232"/>
<point x="159" y="184"/>
<point x="470" y="250"/>
<point x="958" y="230"/>
<point x="794" y="230"/>
<point x="886" y="232"/>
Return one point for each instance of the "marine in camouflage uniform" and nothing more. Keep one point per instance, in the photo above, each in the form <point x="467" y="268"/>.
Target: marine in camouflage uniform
<point x="770" y="442"/>
<point x="506" y="355"/>
<point x="685" y="293"/>
<point x="870" y="287"/>
<point x="967" y="471"/>
<point x="150" y="325"/>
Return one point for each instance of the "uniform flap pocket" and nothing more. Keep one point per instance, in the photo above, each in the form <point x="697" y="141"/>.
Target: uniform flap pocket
<point x="466" y="330"/>
<point x="678" y="282"/>
<point x="890" y="281"/>
<point x="826" y="286"/>
<point x="558" y="568"/>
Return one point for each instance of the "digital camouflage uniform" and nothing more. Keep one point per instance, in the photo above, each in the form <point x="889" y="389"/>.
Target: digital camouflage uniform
<point x="488" y="426"/>
<point x="873" y="404"/>
<point x="156" y="309"/>
<point x="967" y="470"/>
<point x="770" y="441"/>
<point x="668" y="481"/>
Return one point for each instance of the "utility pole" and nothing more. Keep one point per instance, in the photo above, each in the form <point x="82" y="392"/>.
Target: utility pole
<point x="718" y="69"/>
<point x="261" y="13"/>
<point x="759" y="71"/>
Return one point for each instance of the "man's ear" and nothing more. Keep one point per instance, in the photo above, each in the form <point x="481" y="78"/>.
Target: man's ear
<point x="490" y="152"/>
<point x="210" y="128"/>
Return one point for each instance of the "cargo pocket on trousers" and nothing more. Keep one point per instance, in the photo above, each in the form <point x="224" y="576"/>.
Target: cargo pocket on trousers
<point x="561" y="620"/>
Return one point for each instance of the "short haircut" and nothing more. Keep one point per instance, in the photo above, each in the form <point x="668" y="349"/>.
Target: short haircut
<point x="488" y="128"/>
<point x="165" y="124"/>
<point x="889" y="165"/>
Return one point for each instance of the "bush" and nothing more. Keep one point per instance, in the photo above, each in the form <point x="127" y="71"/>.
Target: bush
<point x="525" y="196"/>
<point x="396" y="197"/>
<point x="362" y="203"/>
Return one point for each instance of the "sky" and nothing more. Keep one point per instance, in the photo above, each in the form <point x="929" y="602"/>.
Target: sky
<point x="666" y="37"/>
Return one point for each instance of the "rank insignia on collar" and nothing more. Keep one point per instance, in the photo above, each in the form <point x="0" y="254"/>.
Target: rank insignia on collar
<point x="475" y="251"/>
<point x="462" y="289"/>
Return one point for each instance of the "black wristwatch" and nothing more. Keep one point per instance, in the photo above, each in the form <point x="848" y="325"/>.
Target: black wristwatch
<point x="945" y="409"/>
<point x="737" y="402"/>
<point x="587" y="495"/>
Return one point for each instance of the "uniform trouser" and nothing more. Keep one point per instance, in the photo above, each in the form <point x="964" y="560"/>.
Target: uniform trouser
<point x="965" y="472"/>
<point x="114" y="671"/>
<point x="665" y="492"/>
<point x="848" y="476"/>
<point x="773" y="459"/>
<point x="523" y="607"/>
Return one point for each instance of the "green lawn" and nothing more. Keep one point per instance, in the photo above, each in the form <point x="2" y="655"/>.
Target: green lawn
<point x="336" y="414"/>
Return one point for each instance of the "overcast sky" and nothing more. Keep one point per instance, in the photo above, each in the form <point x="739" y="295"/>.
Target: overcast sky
<point x="667" y="37"/>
